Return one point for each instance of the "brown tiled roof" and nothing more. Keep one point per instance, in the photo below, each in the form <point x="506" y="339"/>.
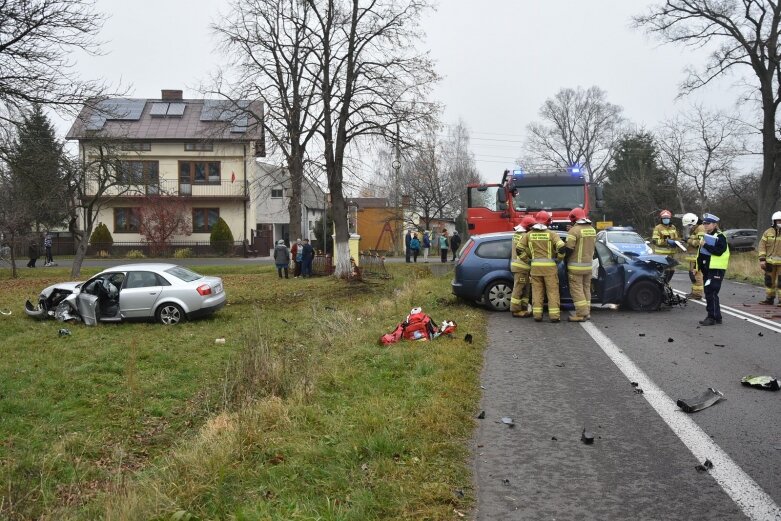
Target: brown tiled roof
<point x="187" y="127"/>
<point x="368" y="202"/>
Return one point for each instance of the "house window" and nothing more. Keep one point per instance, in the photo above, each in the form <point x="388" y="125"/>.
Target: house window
<point x="126" y="220"/>
<point x="199" y="172"/>
<point x="199" y="147"/>
<point x="204" y="219"/>
<point x="137" y="146"/>
<point x="138" y="173"/>
<point x="276" y="193"/>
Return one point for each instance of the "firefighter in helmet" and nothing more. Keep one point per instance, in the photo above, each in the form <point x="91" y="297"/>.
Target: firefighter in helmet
<point x="664" y="237"/>
<point x="543" y="247"/>
<point x="579" y="251"/>
<point x="770" y="260"/>
<point x="519" y="302"/>
<point x="693" y="225"/>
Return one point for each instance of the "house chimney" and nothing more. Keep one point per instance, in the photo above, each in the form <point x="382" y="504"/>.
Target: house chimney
<point x="171" y="95"/>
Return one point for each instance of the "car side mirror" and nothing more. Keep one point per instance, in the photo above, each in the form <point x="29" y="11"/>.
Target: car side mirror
<point x="619" y="259"/>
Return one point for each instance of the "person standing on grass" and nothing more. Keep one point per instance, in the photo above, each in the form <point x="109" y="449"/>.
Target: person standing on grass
<point x="426" y="245"/>
<point x="712" y="261"/>
<point x="47" y="244"/>
<point x="32" y="251"/>
<point x="295" y="254"/>
<point x="443" y="245"/>
<point x="455" y="242"/>
<point x="281" y="258"/>
<point x="307" y="256"/>
<point x="414" y="246"/>
<point x="407" y="241"/>
<point x="770" y="260"/>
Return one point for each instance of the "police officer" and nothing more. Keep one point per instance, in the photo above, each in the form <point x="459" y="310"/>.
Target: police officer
<point x="543" y="247"/>
<point x="664" y="236"/>
<point x="712" y="261"/>
<point x="579" y="252"/>
<point x="519" y="302"/>
<point x="693" y="225"/>
<point x="770" y="260"/>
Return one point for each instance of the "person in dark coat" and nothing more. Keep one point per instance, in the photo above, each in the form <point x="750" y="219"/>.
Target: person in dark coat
<point x="712" y="261"/>
<point x="455" y="242"/>
<point x="407" y="240"/>
<point x="414" y="246"/>
<point x="32" y="251"/>
<point x="307" y="256"/>
<point x="281" y="258"/>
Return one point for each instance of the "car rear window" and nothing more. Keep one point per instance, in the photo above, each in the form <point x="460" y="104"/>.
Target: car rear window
<point x="494" y="249"/>
<point x="183" y="273"/>
<point x="626" y="238"/>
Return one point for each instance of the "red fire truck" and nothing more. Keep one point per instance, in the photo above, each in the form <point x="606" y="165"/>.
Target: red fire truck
<point x="500" y="207"/>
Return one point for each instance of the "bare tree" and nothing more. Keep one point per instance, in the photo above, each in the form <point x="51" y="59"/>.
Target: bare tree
<point x="268" y="42"/>
<point x="161" y="218"/>
<point x="370" y="79"/>
<point x="37" y="39"/>
<point x="746" y="34"/>
<point x="699" y="148"/>
<point x="458" y="161"/>
<point x="579" y="127"/>
<point x="15" y="217"/>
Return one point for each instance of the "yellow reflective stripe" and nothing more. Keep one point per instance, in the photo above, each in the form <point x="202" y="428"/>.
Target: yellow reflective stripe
<point x="588" y="232"/>
<point x="553" y="311"/>
<point x="580" y="303"/>
<point x="537" y="264"/>
<point x="580" y="269"/>
<point x="586" y="264"/>
<point x="515" y="300"/>
<point x="570" y="236"/>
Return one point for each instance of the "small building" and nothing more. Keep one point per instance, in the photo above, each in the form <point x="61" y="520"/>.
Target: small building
<point x="379" y="224"/>
<point x="195" y="153"/>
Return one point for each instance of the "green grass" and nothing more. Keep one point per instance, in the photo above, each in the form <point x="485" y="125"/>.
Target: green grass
<point x="300" y="415"/>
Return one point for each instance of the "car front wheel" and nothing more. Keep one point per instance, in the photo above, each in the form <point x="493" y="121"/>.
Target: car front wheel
<point x="644" y="296"/>
<point x="497" y="295"/>
<point x="170" y="314"/>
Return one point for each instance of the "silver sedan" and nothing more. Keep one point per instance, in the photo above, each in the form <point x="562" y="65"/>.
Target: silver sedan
<point x="166" y="292"/>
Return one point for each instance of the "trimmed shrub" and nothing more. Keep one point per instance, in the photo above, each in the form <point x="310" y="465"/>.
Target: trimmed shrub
<point x="135" y="254"/>
<point x="221" y="238"/>
<point x="183" y="253"/>
<point x="101" y="236"/>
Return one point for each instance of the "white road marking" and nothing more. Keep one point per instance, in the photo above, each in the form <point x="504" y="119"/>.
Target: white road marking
<point x="748" y="317"/>
<point x="744" y="491"/>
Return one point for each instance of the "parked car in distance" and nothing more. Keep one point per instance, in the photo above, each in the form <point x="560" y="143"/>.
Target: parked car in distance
<point x="625" y="239"/>
<point x="166" y="293"/>
<point x="741" y="239"/>
<point x="482" y="274"/>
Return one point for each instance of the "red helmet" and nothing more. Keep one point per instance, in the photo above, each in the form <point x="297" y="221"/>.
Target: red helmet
<point x="665" y="214"/>
<point x="542" y="217"/>
<point x="576" y="214"/>
<point x="528" y="221"/>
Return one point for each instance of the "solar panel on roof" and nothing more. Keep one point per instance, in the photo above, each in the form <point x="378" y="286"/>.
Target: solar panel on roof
<point x="95" y="122"/>
<point x="122" y="109"/>
<point x="176" y="109"/>
<point x="158" y="110"/>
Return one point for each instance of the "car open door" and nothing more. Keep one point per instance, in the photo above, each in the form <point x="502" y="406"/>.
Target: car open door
<point x="87" y="301"/>
<point x="486" y="209"/>
<point x="610" y="280"/>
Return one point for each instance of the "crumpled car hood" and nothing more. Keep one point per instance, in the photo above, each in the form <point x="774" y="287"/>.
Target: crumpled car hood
<point x="660" y="261"/>
<point x="68" y="286"/>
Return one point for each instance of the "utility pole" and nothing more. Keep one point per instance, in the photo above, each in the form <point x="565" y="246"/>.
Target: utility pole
<point x="397" y="181"/>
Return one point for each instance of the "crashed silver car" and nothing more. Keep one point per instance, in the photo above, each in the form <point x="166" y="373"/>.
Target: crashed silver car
<point x="166" y="293"/>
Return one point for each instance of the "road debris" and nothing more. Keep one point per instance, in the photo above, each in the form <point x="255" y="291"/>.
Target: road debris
<point x="703" y="401"/>
<point x="468" y="338"/>
<point x="560" y="365"/>
<point x="481" y="416"/>
<point x="719" y="345"/>
<point x="6" y="312"/>
<point x="508" y="421"/>
<point x="760" y="334"/>
<point x="219" y="340"/>
<point x="587" y="437"/>
<point x="761" y="382"/>
<point x="458" y="492"/>
<point x="634" y="384"/>
<point x="64" y="332"/>
<point x="554" y="438"/>
<point x="641" y="334"/>
<point x="705" y="467"/>
<point x="506" y="482"/>
<point x="670" y="340"/>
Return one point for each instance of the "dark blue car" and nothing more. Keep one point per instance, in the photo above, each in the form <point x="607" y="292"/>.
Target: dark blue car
<point x="482" y="274"/>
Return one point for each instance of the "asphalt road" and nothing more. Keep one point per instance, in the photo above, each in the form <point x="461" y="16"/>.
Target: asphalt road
<point x="555" y="379"/>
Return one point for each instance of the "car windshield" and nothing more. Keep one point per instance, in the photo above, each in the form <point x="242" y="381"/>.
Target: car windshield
<point x="548" y="197"/>
<point x="183" y="273"/>
<point x="625" y="238"/>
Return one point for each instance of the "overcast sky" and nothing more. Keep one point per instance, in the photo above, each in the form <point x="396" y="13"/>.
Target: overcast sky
<point x="500" y="60"/>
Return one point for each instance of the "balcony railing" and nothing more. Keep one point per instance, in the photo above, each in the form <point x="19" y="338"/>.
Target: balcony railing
<point x="176" y="188"/>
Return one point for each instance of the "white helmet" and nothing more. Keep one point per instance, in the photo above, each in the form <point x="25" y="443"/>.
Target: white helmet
<point x="519" y="228"/>
<point x="776" y="217"/>
<point x="689" y="219"/>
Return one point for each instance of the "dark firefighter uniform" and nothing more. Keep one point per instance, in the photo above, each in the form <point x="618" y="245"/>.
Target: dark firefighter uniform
<point x="770" y="254"/>
<point x="580" y="252"/>
<point x="543" y="247"/>
<point x="519" y="301"/>
<point x="693" y="244"/>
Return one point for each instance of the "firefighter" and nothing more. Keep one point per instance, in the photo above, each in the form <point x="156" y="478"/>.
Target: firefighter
<point x="519" y="302"/>
<point x="696" y="230"/>
<point x="543" y="247"/>
<point x="770" y="260"/>
<point x="579" y="253"/>
<point x="663" y="239"/>
<point x="713" y="261"/>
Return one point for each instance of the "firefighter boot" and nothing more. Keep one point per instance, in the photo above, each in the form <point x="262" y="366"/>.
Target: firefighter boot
<point x="576" y="318"/>
<point x="768" y="301"/>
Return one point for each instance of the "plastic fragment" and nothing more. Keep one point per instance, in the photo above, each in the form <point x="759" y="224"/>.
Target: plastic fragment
<point x="587" y="437"/>
<point x="761" y="382"/>
<point x="719" y="345"/>
<point x="468" y="338"/>
<point x="560" y="365"/>
<point x="760" y="334"/>
<point x="706" y="466"/>
<point x="639" y="391"/>
<point x="481" y="416"/>
<point x="554" y="438"/>
<point x="635" y="384"/>
<point x="670" y="340"/>
<point x="641" y="334"/>
<point x="703" y="401"/>
<point x="506" y="481"/>
<point x="508" y="421"/>
<point x="64" y="332"/>
<point x="219" y="340"/>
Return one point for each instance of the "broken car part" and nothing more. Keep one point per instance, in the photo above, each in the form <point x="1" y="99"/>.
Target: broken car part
<point x="703" y="401"/>
<point x="587" y="437"/>
<point x="761" y="382"/>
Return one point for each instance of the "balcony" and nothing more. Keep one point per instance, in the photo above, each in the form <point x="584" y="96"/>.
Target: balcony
<point x="238" y="189"/>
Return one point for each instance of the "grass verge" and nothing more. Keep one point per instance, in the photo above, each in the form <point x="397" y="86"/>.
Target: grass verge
<point x="300" y="415"/>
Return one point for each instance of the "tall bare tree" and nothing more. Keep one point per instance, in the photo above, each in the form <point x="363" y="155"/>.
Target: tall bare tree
<point x="371" y="78"/>
<point x="269" y="45"/>
<point x="579" y="127"/>
<point x="746" y="35"/>
<point x="37" y="41"/>
<point x="699" y="148"/>
<point x="458" y="161"/>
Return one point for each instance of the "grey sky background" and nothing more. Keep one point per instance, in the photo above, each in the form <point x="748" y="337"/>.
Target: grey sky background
<point x="500" y="60"/>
